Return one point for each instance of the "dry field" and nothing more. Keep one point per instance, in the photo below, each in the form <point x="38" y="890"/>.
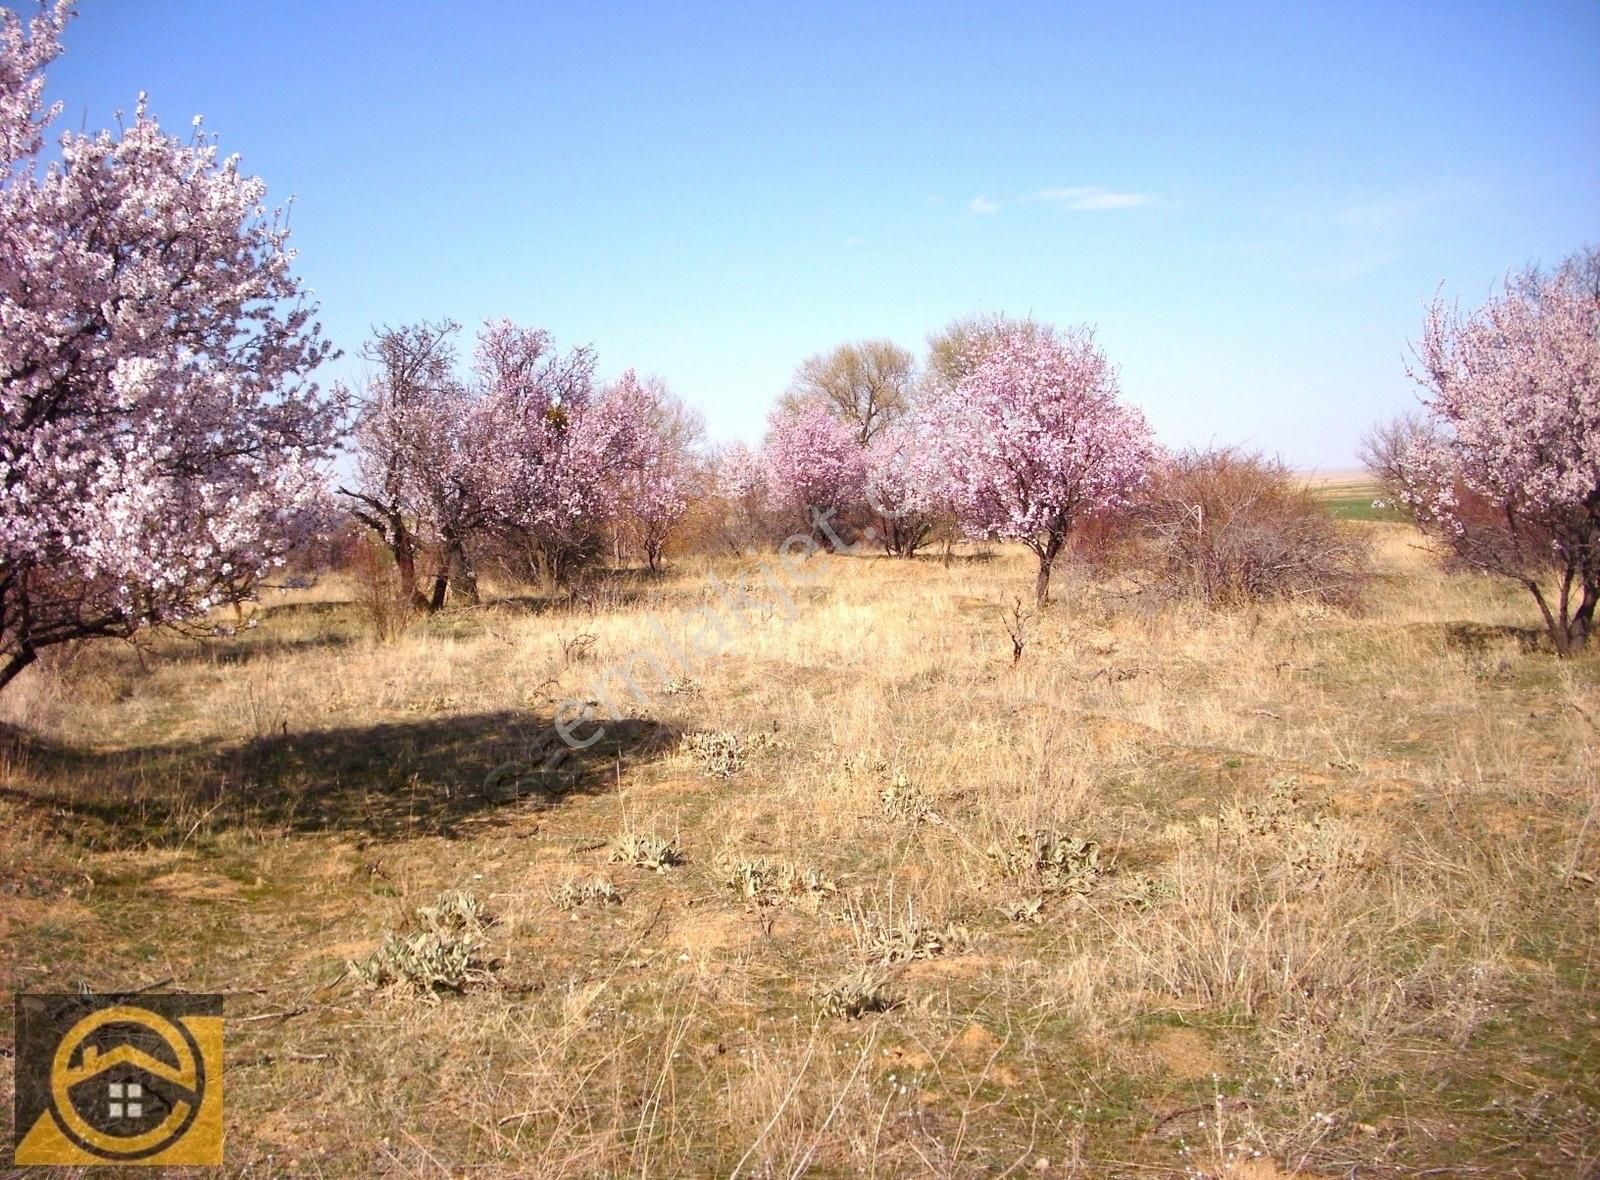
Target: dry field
<point x="1282" y="892"/>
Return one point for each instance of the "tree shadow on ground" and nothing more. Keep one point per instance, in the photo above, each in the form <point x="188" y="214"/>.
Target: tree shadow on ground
<point x="938" y="557"/>
<point x="582" y="601"/>
<point x="385" y="781"/>
<point x="1476" y="637"/>
<point x="237" y="650"/>
<point x="320" y="609"/>
<point x="532" y="604"/>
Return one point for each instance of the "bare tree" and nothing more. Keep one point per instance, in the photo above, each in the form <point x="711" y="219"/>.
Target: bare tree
<point x="956" y="350"/>
<point x="867" y="385"/>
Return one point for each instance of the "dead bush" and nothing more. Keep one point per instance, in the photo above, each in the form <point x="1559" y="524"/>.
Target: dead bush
<point x="1231" y="527"/>
<point x="383" y="598"/>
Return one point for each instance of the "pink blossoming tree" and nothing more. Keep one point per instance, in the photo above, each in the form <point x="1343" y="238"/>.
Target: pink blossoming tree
<point x="901" y="493"/>
<point x="407" y="449"/>
<point x="739" y="486"/>
<point x="553" y="446"/>
<point x="815" y="466"/>
<point x="160" y="441"/>
<point x="1032" y="440"/>
<point x="572" y="493"/>
<point x="1505" y="465"/>
<point x="653" y="492"/>
<point x="522" y="452"/>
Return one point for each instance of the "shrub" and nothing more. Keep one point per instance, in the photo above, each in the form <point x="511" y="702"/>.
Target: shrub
<point x="646" y="850"/>
<point x="384" y="601"/>
<point x="444" y="951"/>
<point x="858" y="994"/>
<point x="1231" y="528"/>
<point x="1059" y="862"/>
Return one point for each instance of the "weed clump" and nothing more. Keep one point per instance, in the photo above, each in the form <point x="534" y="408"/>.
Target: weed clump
<point x="894" y="937"/>
<point x="856" y="995"/>
<point x="1311" y="842"/>
<point x="1024" y="909"/>
<point x="720" y="752"/>
<point x="646" y="850"/>
<point x="766" y="883"/>
<point x="1144" y="892"/>
<point x="1061" y="863"/>
<point x="576" y="892"/>
<point x="442" y="952"/>
<point x="906" y="803"/>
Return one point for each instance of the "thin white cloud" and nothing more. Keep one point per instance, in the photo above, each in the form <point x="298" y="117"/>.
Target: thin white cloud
<point x="1078" y="198"/>
<point x="1363" y="236"/>
<point x="1093" y="198"/>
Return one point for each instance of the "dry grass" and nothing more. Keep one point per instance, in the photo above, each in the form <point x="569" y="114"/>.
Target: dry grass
<point x="1341" y="912"/>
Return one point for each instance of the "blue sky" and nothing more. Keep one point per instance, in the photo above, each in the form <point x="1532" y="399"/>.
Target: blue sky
<point x="1252" y="203"/>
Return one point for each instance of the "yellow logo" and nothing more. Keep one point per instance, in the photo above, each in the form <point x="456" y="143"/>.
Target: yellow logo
<point x="119" y="1079"/>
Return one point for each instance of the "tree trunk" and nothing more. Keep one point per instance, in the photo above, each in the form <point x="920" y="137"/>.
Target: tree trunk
<point x="1047" y="552"/>
<point x="1583" y="618"/>
<point x="463" y="577"/>
<point x="405" y="563"/>
<point x="389" y="523"/>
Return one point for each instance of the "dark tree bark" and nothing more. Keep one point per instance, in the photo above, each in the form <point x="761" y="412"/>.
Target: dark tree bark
<point x="463" y="575"/>
<point x="1048" y="549"/>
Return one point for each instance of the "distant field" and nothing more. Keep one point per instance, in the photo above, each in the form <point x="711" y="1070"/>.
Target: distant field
<point x="1350" y="495"/>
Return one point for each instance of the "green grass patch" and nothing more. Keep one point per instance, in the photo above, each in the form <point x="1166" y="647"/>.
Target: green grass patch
<point x="1363" y="507"/>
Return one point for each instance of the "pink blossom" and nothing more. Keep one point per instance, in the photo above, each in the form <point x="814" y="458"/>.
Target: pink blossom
<point x="652" y="489"/>
<point x="901" y="491"/>
<point x="161" y="444"/>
